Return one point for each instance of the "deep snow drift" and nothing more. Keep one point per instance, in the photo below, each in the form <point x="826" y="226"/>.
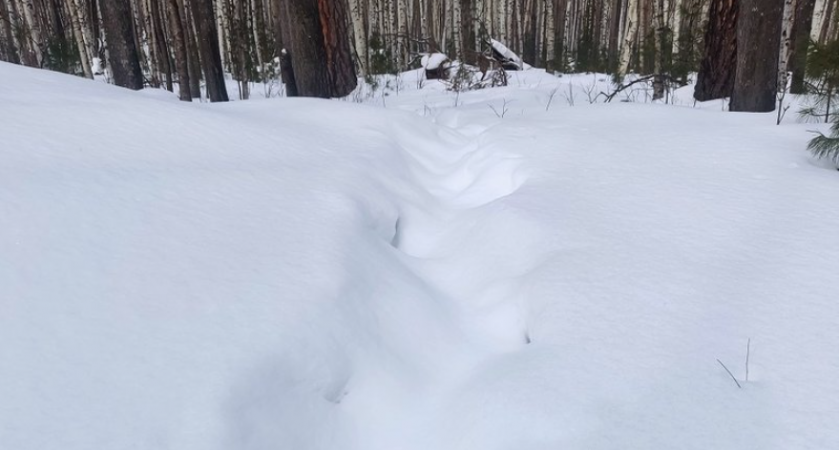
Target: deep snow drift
<point x="308" y="274"/>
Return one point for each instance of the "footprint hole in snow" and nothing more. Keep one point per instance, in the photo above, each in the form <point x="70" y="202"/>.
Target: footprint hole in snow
<point x="395" y="241"/>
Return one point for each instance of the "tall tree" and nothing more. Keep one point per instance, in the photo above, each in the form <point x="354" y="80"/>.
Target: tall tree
<point x="756" y="73"/>
<point x="208" y="47"/>
<point x="716" y="76"/>
<point x="8" y="49"/>
<point x="468" y="31"/>
<point x="179" y="41"/>
<point x="800" y="37"/>
<point x="319" y="47"/>
<point x="119" y="36"/>
<point x="786" y="48"/>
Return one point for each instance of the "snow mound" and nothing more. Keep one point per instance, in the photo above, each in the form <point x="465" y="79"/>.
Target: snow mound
<point x="433" y="61"/>
<point x="507" y="54"/>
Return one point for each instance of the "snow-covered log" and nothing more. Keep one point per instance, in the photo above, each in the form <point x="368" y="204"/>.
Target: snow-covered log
<point x="509" y="59"/>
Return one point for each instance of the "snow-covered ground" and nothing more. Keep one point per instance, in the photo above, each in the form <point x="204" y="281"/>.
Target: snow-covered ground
<point x="512" y="268"/>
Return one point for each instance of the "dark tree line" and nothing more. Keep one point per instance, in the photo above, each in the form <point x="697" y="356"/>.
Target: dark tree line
<point x="320" y="46"/>
<point x="751" y="46"/>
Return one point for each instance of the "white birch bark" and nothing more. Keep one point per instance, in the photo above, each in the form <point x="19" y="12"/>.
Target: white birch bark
<point x="784" y="47"/>
<point x="84" y="56"/>
<point x="357" y="19"/>
<point x="676" y="21"/>
<point x="631" y="27"/>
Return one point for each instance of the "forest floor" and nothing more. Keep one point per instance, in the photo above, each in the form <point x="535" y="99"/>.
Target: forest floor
<point x="512" y="268"/>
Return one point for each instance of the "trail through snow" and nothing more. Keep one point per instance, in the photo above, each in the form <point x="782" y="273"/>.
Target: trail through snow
<point x="461" y="178"/>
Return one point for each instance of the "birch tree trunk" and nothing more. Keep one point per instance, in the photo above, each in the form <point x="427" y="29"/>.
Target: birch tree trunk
<point x="658" y="37"/>
<point x="785" y="47"/>
<point x="632" y="27"/>
<point x="76" y="24"/>
<point x="37" y="42"/>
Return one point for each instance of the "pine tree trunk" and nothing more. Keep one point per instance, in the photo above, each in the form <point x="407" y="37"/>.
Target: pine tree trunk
<point x="194" y="61"/>
<point x="800" y="38"/>
<point x="756" y="74"/>
<point x="468" y="31"/>
<point x="176" y="26"/>
<point x="716" y="76"/>
<point x="319" y="48"/>
<point x="612" y="41"/>
<point x="124" y="60"/>
<point x="208" y="47"/>
<point x="162" y="47"/>
<point x="560" y="34"/>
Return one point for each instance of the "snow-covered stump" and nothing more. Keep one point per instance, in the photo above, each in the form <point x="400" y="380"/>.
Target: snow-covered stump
<point x="436" y="66"/>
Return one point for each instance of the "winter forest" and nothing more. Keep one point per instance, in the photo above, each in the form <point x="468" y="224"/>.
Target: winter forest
<point x="419" y="224"/>
<point x="190" y="43"/>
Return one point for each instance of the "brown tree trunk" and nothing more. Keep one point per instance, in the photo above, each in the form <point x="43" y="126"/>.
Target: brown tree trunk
<point x="193" y="62"/>
<point x="716" y="76"/>
<point x="319" y="47"/>
<point x="160" y="38"/>
<point x="800" y="38"/>
<point x="612" y="45"/>
<point x="756" y="74"/>
<point x="123" y="58"/>
<point x="559" y="35"/>
<point x="208" y="47"/>
<point x="176" y="26"/>
<point x="468" y="32"/>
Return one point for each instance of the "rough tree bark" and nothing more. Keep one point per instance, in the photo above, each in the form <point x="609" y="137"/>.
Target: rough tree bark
<point x="716" y="76"/>
<point x="319" y="48"/>
<point x="756" y="73"/>
<point x="800" y="38"/>
<point x="208" y="47"/>
<point x="176" y="28"/>
<point x="119" y="34"/>
<point x="193" y="62"/>
<point x="468" y="31"/>
<point x="156" y="28"/>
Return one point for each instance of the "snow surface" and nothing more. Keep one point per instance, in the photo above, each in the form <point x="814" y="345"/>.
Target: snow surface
<point x="434" y="274"/>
